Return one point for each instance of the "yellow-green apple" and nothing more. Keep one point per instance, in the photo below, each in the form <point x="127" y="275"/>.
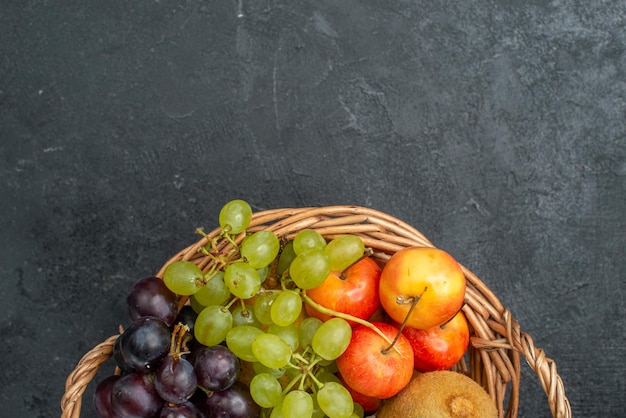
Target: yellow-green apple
<point x="422" y="287"/>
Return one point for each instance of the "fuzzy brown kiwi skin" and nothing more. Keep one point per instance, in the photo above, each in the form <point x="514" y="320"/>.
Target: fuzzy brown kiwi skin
<point x="443" y="394"/>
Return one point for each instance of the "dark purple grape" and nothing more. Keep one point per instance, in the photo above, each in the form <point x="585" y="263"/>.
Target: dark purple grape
<point x="217" y="368"/>
<point x="199" y="400"/>
<point x="183" y="410"/>
<point x="102" y="397"/>
<point x="134" y="396"/>
<point x="175" y="380"/>
<point x="118" y="357"/>
<point x="142" y="346"/>
<point x="187" y="316"/>
<point x="151" y="297"/>
<point x="234" y="402"/>
<point x="194" y="349"/>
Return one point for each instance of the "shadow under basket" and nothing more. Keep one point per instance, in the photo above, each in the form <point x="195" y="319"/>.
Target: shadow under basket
<point x="496" y="342"/>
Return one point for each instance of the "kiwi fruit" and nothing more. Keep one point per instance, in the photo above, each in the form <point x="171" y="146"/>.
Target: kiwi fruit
<point x="440" y="394"/>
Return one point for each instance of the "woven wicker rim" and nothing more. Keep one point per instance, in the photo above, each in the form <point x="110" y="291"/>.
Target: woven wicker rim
<point x="496" y="342"/>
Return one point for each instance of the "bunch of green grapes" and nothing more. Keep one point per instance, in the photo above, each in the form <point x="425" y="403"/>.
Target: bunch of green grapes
<point x="295" y="367"/>
<point x="292" y="356"/>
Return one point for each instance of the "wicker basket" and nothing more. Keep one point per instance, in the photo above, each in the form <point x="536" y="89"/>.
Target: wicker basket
<point x="496" y="342"/>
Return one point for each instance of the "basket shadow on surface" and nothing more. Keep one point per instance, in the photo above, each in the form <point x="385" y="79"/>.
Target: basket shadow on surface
<point x="496" y="342"/>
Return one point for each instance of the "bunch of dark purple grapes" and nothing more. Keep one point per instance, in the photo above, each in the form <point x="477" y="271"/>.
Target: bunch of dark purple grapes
<point x="165" y="373"/>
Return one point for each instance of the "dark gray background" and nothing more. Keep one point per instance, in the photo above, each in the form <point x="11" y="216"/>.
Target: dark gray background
<point x="495" y="127"/>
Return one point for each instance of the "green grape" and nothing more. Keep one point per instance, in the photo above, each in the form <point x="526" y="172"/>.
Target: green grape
<point x="260" y="248"/>
<point x="335" y="400"/>
<point x="330" y="366"/>
<point x="195" y="305"/>
<point x="344" y="251"/>
<point x="266" y="390"/>
<point x="263" y="273"/>
<point x="260" y="368"/>
<point x="310" y="269"/>
<point x="317" y="411"/>
<point x="297" y="403"/>
<point x="308" y="239"/>
<point x="235" y="216"/>
<point x="293" y="372"/>
<point x="262" y="306"/>
<point x="288" y="333"/>
<point x="214" y="292"/>
<point x="332" y="338"/>
<point x="183" y="277"/>
<point x="277" y="411"/>
<point x="244" y="316"/>
<point x="242" y="280"/>
<point x="271" y="351"/>
<point x="359" y="412"/>
<point x="285" y="259"/>
<point x="325" y="376"/>
<point x="307" y="329"/>
<point x="239" y="341"/>
<point x="286" y="308"/>
<point x="212" y="325"/>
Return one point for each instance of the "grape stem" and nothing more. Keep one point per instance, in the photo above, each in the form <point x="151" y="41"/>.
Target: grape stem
<point x="314" y="360"/>
<point x="293" y="366"/>
<point x="302" y="380"/>
<point x="348" y="317"/>
<point x="230" y="237"/>
<point x="315" y="379"/>
<point x="291" y="384"/>
<point x="301" y="358"/>
<point x="244" y="309"/>
<point x="232" y="302"/>
<point x="220" y="258"/>
<point x="177" y="342"/>
<point x="306" y="366"/>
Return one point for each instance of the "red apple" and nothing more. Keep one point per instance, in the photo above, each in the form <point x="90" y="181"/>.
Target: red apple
<point x="379" y="315"/>
<point x="369" y="403"/>
<point x="440" y="347"/>
<point x="354" y="291"/>
<point x="370" y="367"/>
<point x="429" y="276"/>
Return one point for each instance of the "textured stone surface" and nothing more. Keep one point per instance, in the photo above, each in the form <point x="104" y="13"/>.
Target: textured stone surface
<point x="496" y="127"/>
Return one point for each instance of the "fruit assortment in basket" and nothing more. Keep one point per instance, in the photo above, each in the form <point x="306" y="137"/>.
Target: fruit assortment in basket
<point x="294" y="322"/>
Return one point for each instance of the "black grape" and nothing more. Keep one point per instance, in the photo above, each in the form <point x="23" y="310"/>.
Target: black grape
<point x="134" y="396"/>
<point x="175" y="380"/>
<point x="151" y="297"/>
<point x="187" y="316"/>
<point x="217" y="368"/>
<point x="102" y="397"/>
<point x="183" y="410"/>
<point x="144" y="343"/>
<point x="234" y="402"/>
<point x="199" y="400"/>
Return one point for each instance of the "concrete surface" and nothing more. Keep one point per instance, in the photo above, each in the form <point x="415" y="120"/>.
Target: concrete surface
<point x="495" y="127"/>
